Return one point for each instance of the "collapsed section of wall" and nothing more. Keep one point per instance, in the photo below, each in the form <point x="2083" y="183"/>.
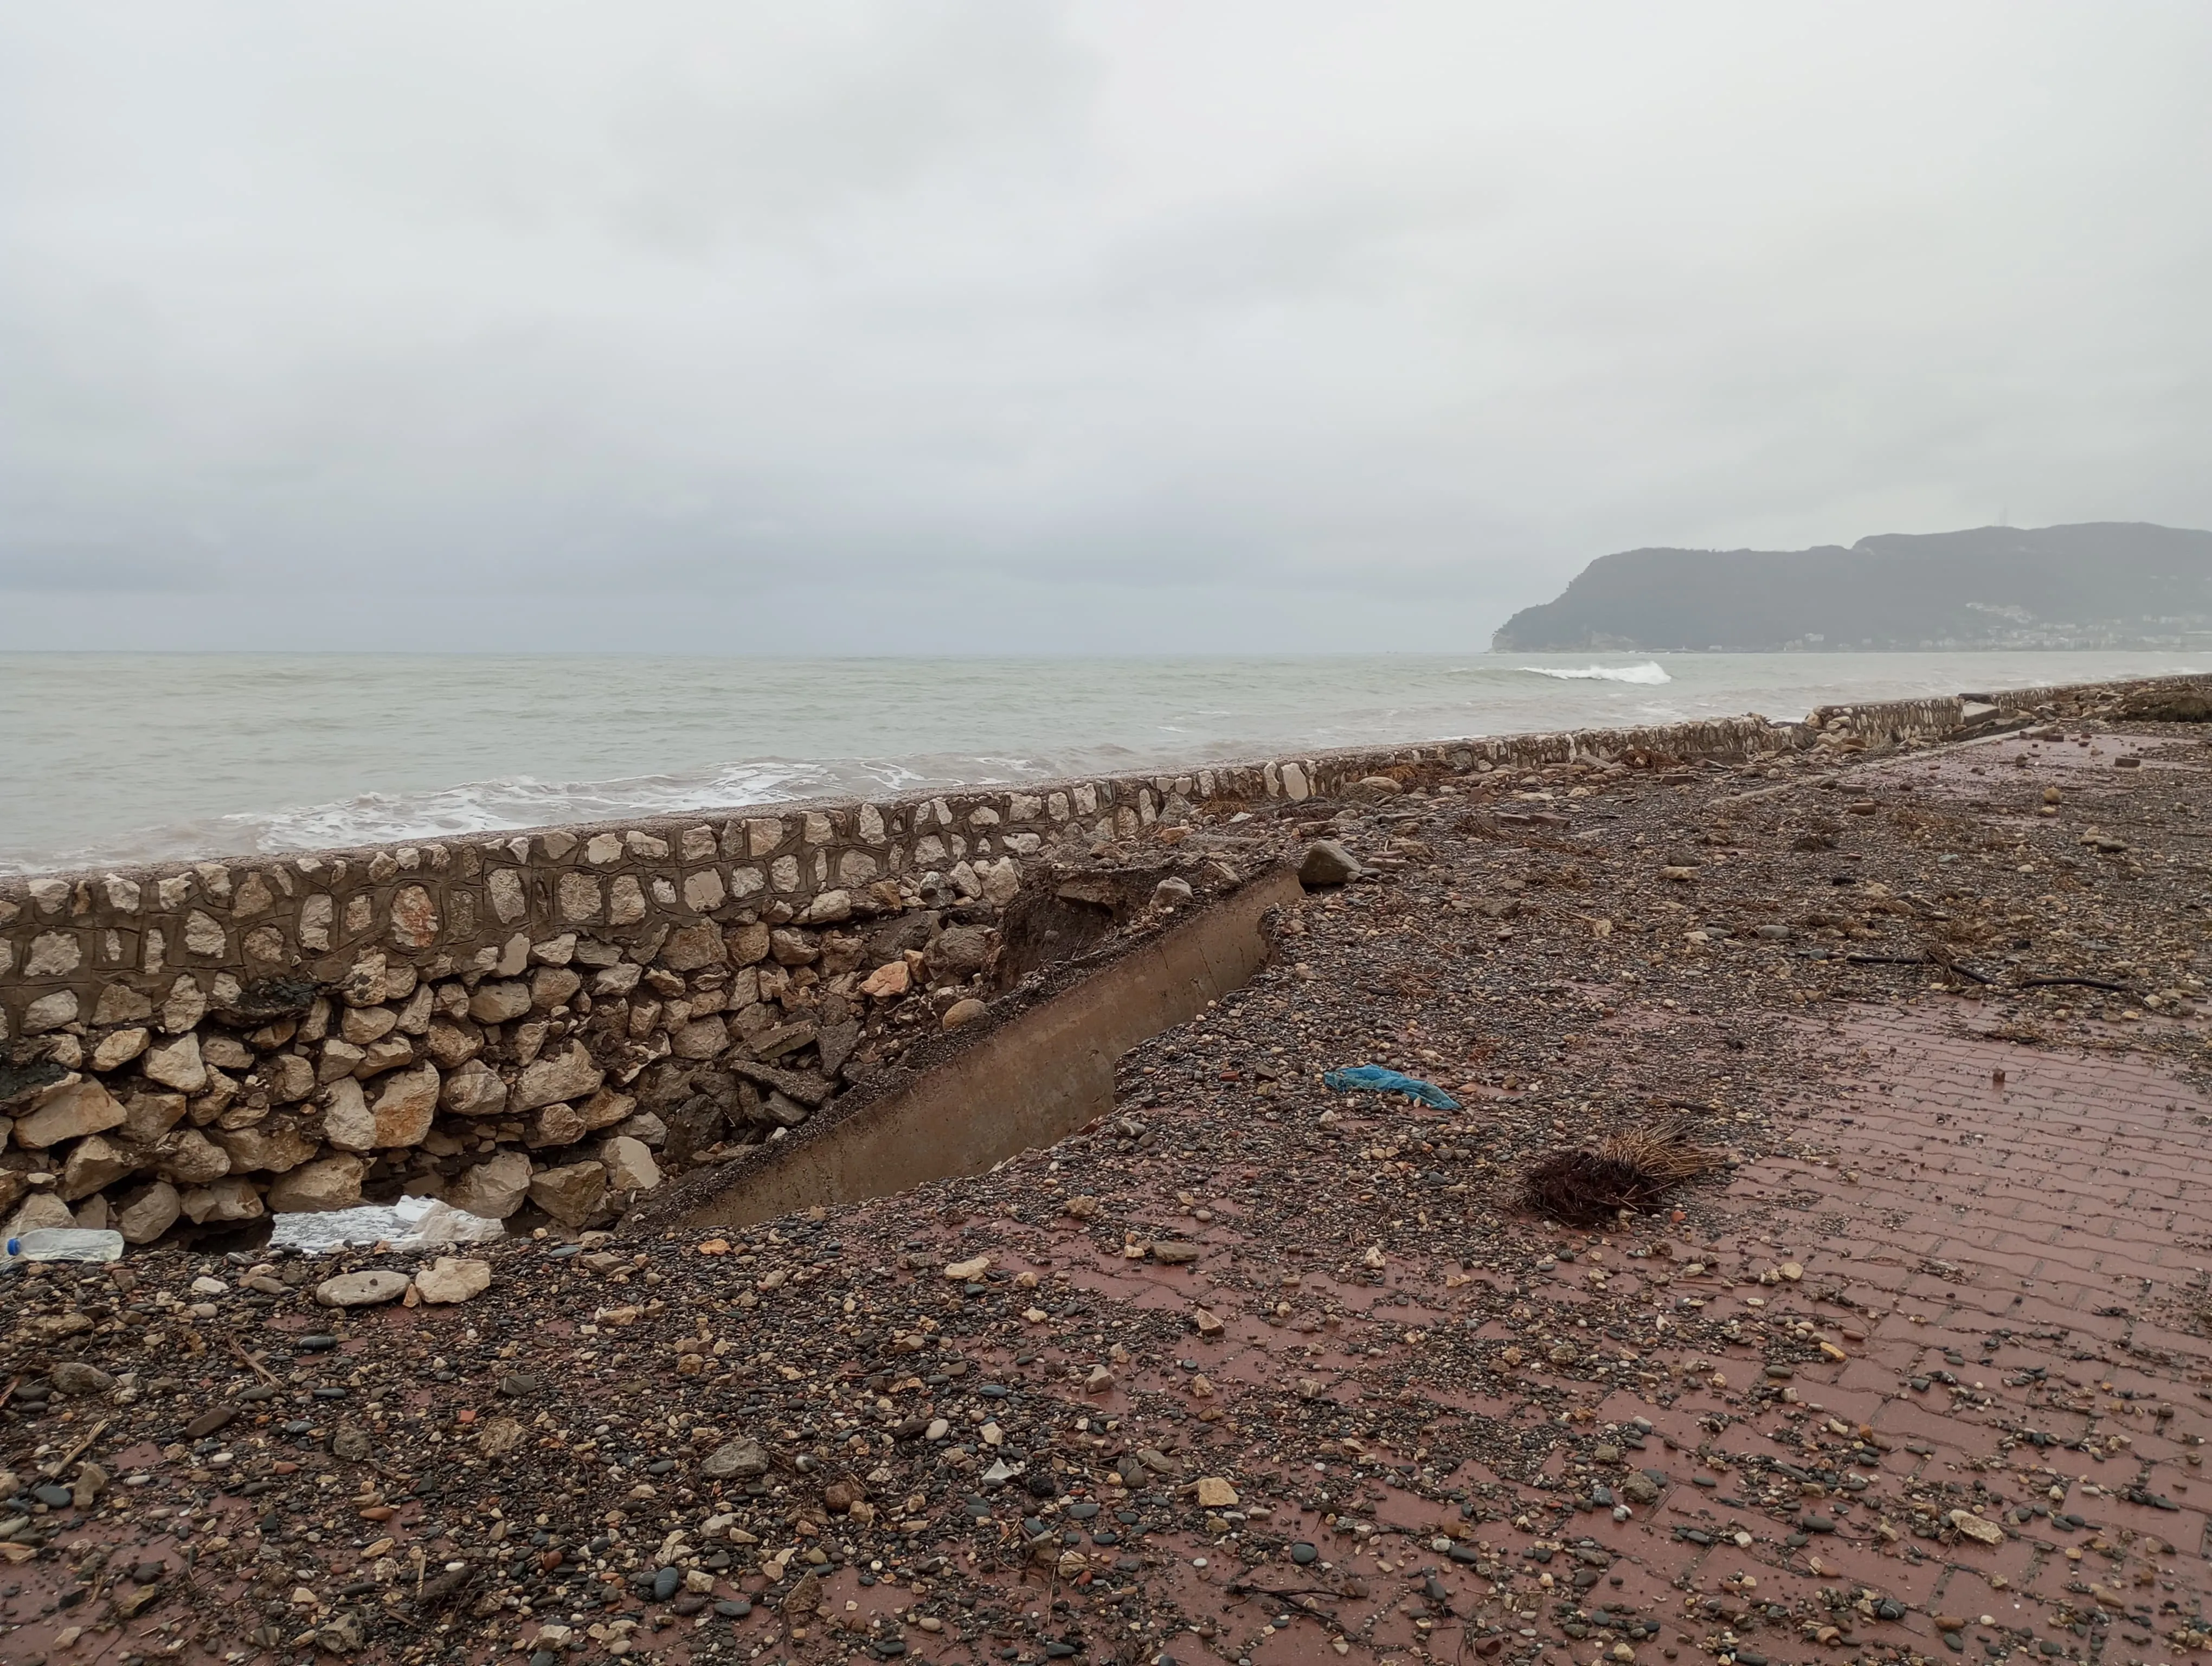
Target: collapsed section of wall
<point x="1026" y="1084"/>
<point x="562" y="1016"/>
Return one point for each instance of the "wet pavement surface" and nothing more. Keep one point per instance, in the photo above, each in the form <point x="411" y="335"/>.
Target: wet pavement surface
<point x="1253" y="1372"/>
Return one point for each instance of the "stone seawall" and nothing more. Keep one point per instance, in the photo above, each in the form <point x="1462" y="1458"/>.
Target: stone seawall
<point x="562" y="1016"/>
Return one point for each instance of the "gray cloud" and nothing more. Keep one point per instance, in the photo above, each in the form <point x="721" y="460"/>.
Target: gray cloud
<point x="1013" y="324"/>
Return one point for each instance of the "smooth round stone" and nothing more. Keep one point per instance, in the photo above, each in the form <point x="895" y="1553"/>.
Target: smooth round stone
<point x="1303" y="1554"/>
<point x="370" y="1289"/>
<point x="664" y="1583"/>
<point x="734" y="1608"/>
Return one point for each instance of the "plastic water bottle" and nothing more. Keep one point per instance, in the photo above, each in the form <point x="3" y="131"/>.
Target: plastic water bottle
<point x="63" y="1243"/>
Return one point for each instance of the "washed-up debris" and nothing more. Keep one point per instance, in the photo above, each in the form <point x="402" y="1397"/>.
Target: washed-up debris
<point x="1374" y="1079"/>
<point x="1632" y="1169"/>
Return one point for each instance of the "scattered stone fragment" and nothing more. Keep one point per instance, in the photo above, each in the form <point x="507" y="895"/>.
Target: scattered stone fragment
<point x="453" y="1279"/>
<point x="1326" y="862"/>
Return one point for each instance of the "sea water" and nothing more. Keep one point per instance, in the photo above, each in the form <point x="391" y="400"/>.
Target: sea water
<point x="141" y="758"/>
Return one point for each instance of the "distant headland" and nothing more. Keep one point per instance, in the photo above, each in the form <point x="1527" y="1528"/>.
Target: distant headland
<point x="2101" y="585"/>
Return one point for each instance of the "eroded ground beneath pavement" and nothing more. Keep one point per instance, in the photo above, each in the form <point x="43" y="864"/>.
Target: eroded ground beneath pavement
<point x="1262" y="1373"/>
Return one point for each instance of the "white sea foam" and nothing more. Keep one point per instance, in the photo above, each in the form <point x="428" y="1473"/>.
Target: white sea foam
<point x="1650" y="671"/>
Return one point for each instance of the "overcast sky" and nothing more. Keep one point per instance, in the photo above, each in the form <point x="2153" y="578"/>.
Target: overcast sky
<point x="977" y="328"/>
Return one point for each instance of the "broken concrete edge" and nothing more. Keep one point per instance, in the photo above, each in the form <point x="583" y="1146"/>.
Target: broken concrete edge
<point x="1032" y="1078"/>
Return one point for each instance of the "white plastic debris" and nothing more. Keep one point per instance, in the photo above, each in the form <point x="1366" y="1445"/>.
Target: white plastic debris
<point x="413" y="1223"/>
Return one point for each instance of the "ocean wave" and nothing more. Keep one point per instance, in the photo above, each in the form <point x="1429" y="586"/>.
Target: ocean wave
<point x="1650" y="671"/>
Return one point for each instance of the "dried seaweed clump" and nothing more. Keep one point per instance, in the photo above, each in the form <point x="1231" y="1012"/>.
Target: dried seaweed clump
<point x="1631" y="1170"/>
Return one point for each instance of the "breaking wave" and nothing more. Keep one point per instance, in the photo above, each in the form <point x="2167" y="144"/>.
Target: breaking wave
<point x="1650" y="671"/>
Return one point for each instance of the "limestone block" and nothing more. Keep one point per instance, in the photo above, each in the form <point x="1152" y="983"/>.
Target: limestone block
<point x="288" y="1078"/>
<point x="474" y="1089"/>
<point x="230" y="1199"/>
<point x="254" y="897"/>
<point x="509" y="901"/>
<point x="186" y="1005"/>
<point x="95" y="1161"/>
<point x="117" y="1049"/>
<point x="569" y="1074"/>
<point x="693" y="947"/>
<point x="120" y="1004"/>
<point x="626" y="901"/>
<point x="496" y="1003"/>
<point x="578" y="895"/>
<point x="50" y="1013"/>
<point x="147" y="1116"/>
<point x="557" y="950"/>
<point x="315" y="916"/>
<point x="146" y="1213"/>
<point x="494" y="1189"/>
<point x="363" y="1024"/>
<point x="189" y="1158"/>
<point x="328" y="1182"/>
<point x="347" y="1122"/>
<point x="783" y="873"/>
<point x="629" y="1165"/>
<point x="560" y="1124"/>
<point x="414" y="1016"/>
<point x="203" y="934"/>
<point x="830" y="907"/>
<point x="618" y="979"/>
<point x="571" y="1195"/>
<point x="339" y="1058"/>
<point x="604" y="849"/>
<point x="606" y="1108"/>
<point x="793" y="948"/>
<point x="1001" y="879"/>
<point x="53" y="954"/>
<point x="700" y="1038"/>
<point x="552" y="987"/>
<point x="44" y="1209"/>
<point x="413" y="918"/>
<point x="270" y="1147"/>
<point x="177" y="1064"/>
<point x="403" y="1110"/>
<point x="452" y="1045"/>
<point x="390" y="1053"/>
<point x="704" y="890"/>
<point x="69" y="1112"/>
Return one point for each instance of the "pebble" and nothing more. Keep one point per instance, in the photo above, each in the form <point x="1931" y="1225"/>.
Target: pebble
<point x="368" y="1289"/>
